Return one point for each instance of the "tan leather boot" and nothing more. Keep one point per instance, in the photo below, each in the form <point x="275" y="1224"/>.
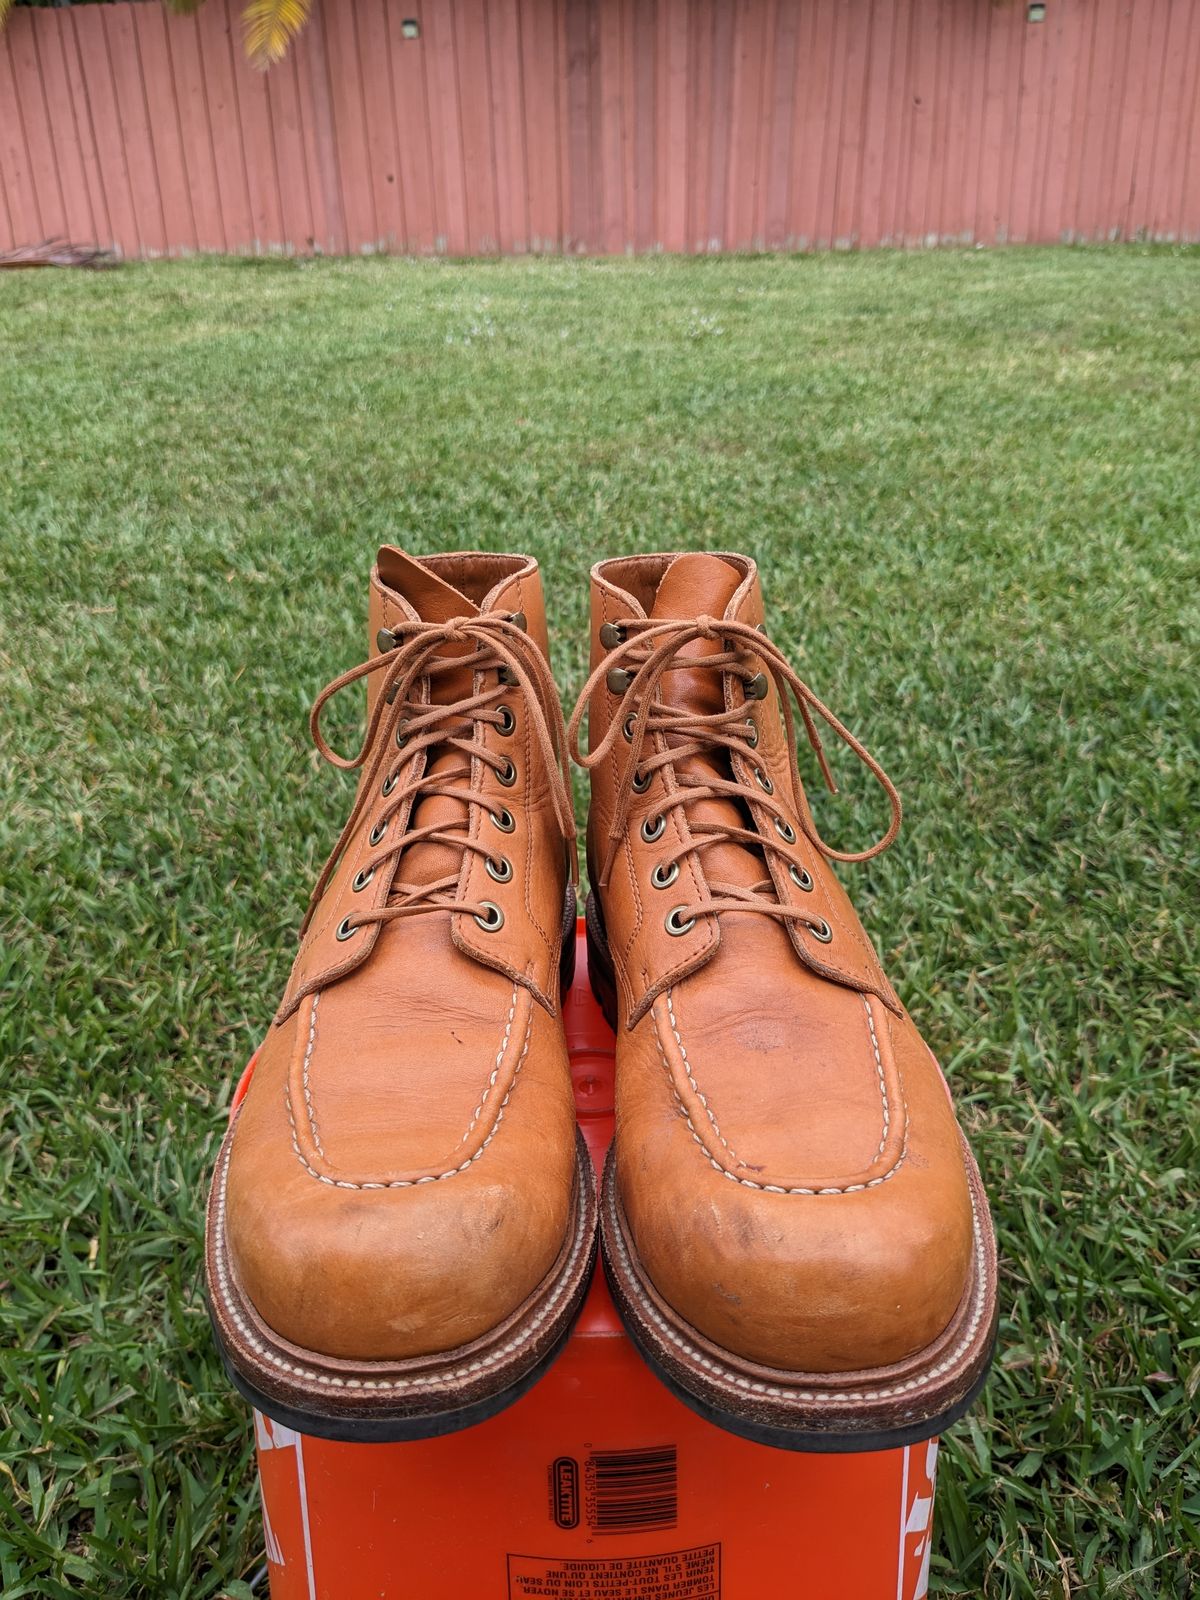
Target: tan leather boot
<point x="402" y="1217"/>
<point x="794" y="1227"/>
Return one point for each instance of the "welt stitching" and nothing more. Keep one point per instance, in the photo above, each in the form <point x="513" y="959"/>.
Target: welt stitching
<point x="433" y="1177"/>
<point x="776" y="1188"/>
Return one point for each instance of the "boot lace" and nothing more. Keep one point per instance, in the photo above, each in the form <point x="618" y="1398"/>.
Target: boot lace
<point x="635" y="667"/>
<point x="406" y="722"/>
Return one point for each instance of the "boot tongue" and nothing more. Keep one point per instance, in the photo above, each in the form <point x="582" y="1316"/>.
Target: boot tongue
<point x="697" y="585"/>
<point x="432" y="599"/>
<point x="694" y="585"/>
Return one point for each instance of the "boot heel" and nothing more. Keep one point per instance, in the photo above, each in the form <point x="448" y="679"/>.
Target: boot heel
<point x="600" y="967"/>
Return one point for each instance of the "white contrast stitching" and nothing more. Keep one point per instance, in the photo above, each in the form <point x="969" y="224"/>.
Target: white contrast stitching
<point x="776" y="1188"/>
<point x="495" y="1072"/>
<point x="843" y="1397"/>
<point x="312" y="1039"/>
<point x="432" y="1177"/>
<point x="687" y="1067"/>
<point x="312" y="1375"/>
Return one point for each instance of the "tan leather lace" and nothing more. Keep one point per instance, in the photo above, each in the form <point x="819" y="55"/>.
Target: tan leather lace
<point x="651" y="649"/>
<point x="407" y="721"/>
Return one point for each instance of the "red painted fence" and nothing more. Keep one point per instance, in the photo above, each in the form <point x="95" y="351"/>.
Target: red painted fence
<point x="603" y="125"/>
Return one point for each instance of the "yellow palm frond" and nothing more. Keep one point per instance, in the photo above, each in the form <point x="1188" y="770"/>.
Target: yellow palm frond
<point x="5" y="8"/>
<point x="271" y="25"/>
<point x="183" y="8"/>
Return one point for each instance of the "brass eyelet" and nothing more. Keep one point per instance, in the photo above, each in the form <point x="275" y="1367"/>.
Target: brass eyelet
<point x="401" y="736"/>
<point x="362" y="879"/>
<point x="519" y="620"/>
<point x="507" y="721"/>
<point x="345" y="929"/>
<point x="785" y="830"/>
<point x="673" y="925"/>
<point x="752" y="736"/>
<point x="618" y="680"/>
<point x="501" y="868"/>
<point x="654" y="828"/>
<point x="494" y="920"/>
<point x="763" y="782"/>
<point x="801" y="877"/>
<point x="503" y="819"/>
<point x="507" y="774"/>
<point x="385" y="640"/>
<point x="824" y="933"/>
<point x="377" y="833"/>
<point x="611" y="635"/>
<point x="389" y="783"/>
<point x="756" y="689"/>
<point x="641" y="781"/>
<point x="627" y="727"/>
<point x="663" y="877"/>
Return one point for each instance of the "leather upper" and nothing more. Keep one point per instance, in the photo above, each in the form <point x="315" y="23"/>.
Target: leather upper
<point x="787" y="1155"/>
<point x="402" y="1168"/>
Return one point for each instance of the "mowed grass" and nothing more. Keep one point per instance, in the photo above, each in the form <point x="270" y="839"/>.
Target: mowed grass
<point x="971" y="481"/>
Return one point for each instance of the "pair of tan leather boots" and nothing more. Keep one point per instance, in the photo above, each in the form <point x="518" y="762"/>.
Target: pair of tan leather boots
<point x="403" y="1217"/>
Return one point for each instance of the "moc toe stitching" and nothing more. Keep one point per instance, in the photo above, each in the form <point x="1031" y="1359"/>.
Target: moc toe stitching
<point x="447" y="1170"/>
<point x="858" y="1183"/>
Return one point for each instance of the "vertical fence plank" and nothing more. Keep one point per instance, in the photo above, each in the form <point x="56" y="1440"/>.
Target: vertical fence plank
<point x="875" y="136"/>
<point x="77" y="89"/>
<point x="215" y="55"/>
<point x="65" y="116"/>
<point x="378" y="106"/>
<point x="30" y="110"/>
<point x="1133" y="112"/>
<point x="508" y="126"/>
<point x="258" y="142"/>
<point x="702" y="26"/>
<point x="162" y="109"/>
<point x="816" y="56"/>
<point x="474" y="95"/>
<point x="846" y="226"/>
<point x="1177" y="95"/>
<point x="410" y="118"/>
<point x="540" y="77"/>
<point x="133" y="121"/>
<point x="196" y="133"/>
<point x="113" y="178"/>
<point x="610" y="171"/>
<point x="1187" y="155"/>
<point x="340" y="27"/>
<point x="745" y="123"/>
<point x="445" y="130"/>
<point x="21" y="191"/>
<point x="301" y="229"/>
<point x="1031" y="110"/>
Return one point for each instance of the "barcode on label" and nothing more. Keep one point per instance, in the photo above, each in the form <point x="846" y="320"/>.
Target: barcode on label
<point x="631" y="1491"/>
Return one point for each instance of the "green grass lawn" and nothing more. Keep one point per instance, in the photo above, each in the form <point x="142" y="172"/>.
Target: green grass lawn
<point x="972" y="483"/>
